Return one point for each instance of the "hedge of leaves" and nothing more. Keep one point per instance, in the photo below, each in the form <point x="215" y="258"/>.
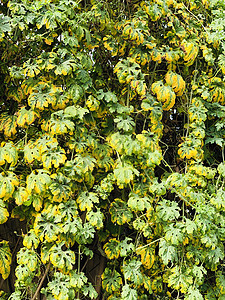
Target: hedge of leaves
<point x="112" y="144"/>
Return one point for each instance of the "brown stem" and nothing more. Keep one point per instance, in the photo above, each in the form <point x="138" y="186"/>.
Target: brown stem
<point x="41" y="282"/>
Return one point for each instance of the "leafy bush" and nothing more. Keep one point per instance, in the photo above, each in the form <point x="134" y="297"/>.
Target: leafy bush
<point x="112" y="149"/>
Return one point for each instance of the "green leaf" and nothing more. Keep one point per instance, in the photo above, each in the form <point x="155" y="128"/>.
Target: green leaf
<point x="111" y="280"/>
<point x="124" y="174"/>
<point x="193" y="294"/>
<point x="220" y="282"/>
<point x="46" y="228"/>
<point x="16" y="296"/>
<point x="120" y="212"/>
<point x="31" y="240"/>
<point x="174" y="235"/>
<point x="62" y="259"/>
<point x="78" y="280"/>
<point x="167" y="252"/>
<point x="112" y="249"/>
<point x="126" y="247"/>
<point x="127" y="70"/>
<point x="125" y="123"/>
<point x="76" y="92"/>
<point x="190" y="226"/>
<point x="38" y="181"/>
<point x="90" y="291"/>
<point x="60" y="187"/>
<point x="84" y="163"/>
<point x="75" y="111"/>
<point x="180" y="279"/>
<point x="128" y="293"/>
<point x="60" y="287"/>
<point x="137" y="203"/>
<point x="85" y="234"/>
<point x="168" y="210"/>
<point x="214" y="256"/>
<point x="95" y="218"/>
<point x="31" y="153"/>
<point x="66" y="67"/>
<point x="221" y="169"/>
<point x="29" y="258"/>
<point x="86" y="200"/>
<point x="23" y="274"/>
<point x="132" y="272"/>
<point x="4" y="24"/>
<point x="199" y="272"/>
<point x="219" y="200"/>
<point x="9" y="154"/>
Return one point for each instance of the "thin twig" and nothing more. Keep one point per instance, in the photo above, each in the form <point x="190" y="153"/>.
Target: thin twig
<point x="155" y="241"/>
<point x="41" y="282"/>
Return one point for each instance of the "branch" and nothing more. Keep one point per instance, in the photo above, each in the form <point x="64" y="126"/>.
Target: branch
<point x="41" y="282"/>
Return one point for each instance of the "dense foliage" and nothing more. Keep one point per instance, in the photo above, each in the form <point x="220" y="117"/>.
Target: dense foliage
<point x="112" y="149"/>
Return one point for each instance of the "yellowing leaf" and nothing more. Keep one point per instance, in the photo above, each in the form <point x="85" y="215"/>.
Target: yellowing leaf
<point x="31" y="153"/>
<point x="26" y="117"/>
<point x="190" y="52"/>
<point x="147" y="255"/>
<point x="86" y="200"/>
<point x="8" y="124"/>
<point x="120" y="213"/>
<point x="124" y="173"/>
<point x="140" y="86"/>
<point x="9" y="154"/>
<point x="53" y="158"/>
<point x="3" y="212"/>
<point x="176" y="82"/>
<point x="7" y="185"/>
<point x="5" y="259"/>
<point x="38" y="181"/>
<point x="180" y="279"/>
<point x="62" y="259"/>
<point x="111" y="280"/>
<point x="164" y="94"/>
<point x="31" y="240"/>
<point x="217" y="90"/>
<point x="95" y="218"/>
<point x="29" y="258"/>
<point x="189" y="148"/>
<point x="20" y="195"/>
<point x="112" y="249"/>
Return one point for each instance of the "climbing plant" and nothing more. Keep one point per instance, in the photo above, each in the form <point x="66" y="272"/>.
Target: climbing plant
<point x="112" y="163"/>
